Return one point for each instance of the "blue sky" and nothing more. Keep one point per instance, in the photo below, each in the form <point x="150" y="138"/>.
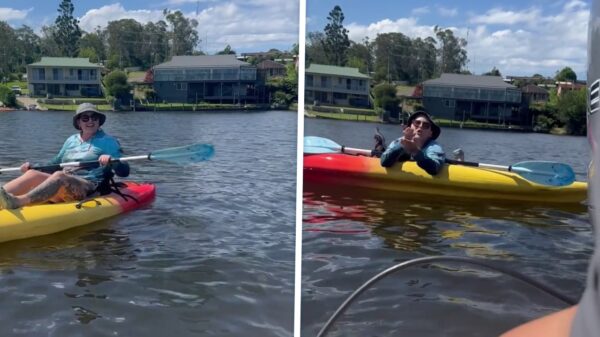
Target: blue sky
<point x="517" y="37"/>
<point x="246" y="25"/>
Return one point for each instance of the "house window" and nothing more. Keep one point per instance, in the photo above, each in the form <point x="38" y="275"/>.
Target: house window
<point x="449" y="103"/>
<point x="324" y="82"/>
<point x="348" y="84"/>
<point x="309" y="80"/>
<point x="181" y="86"/>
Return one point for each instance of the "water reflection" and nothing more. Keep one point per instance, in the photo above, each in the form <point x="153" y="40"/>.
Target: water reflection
<point x="352" y="234"/>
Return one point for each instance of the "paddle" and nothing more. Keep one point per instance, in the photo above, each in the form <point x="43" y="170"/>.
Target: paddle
<point x="178" y="155"/>
<point x="541" y="172"/>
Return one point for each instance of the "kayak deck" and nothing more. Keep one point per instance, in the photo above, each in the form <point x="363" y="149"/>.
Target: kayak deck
<point x="36" y="220"/>
<point x="452" y="180"/>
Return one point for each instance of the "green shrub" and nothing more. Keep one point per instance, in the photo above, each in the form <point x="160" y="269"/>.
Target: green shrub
<point x="7" y="96"/>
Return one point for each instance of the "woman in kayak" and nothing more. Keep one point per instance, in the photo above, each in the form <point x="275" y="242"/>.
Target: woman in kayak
<point x="418" y="143"/>
<point x="70" y="184"/>
<point x="582" y="320"/>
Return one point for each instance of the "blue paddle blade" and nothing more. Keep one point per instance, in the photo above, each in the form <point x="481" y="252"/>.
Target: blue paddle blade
<point x="184" y="154"/>
<point x="315" y="145"/>
<point x="545" y="173"/>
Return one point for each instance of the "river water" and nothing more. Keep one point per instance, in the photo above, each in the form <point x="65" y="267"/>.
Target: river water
<point x="212" y="256"/>
<point x="351" y="235"/>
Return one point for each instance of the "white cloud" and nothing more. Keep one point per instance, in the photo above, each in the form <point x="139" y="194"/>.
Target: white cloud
<point x="103" y="15"/>
<point x="249" y="24"/>
<point x="242" y="24"/>
<point x="501" y="17"/>
<point x="10" y="14"/>
<point x="449" y="12"/>
<point x="420" y="11"/>
<point x="407" y="26"/>
<point x="522" y="42"/>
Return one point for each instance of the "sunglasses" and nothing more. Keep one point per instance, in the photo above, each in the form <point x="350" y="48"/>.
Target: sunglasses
<point x="423" y="124"/>
<point x="93" y="117"/>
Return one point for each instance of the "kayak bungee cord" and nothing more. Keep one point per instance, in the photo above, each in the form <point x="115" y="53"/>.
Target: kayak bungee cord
<point x="430" y="259"/>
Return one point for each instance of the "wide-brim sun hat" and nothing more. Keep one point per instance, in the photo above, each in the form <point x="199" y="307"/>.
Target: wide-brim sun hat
<point x="435" y="129"/>
<point x="87" y="107"/>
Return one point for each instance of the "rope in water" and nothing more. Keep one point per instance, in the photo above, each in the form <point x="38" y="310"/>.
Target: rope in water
<point x="425" y="260"/>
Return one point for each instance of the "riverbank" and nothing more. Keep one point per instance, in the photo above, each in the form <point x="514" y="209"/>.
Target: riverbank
<point x="104" y="106"/>
<point x="373" y="118"/>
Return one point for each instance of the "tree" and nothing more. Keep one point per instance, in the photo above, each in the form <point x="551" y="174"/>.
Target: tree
<point x="67" y="32"/>
<point x="571" y="108"/>
<point x="566" y="75"/>
<point x="26" y="47"/>
<point x="393" y="54"/>
<point x="452" y="55"/>
<point x="91" y="45"/>
<point x="493" y="72"/>
<point x="125" y="40"/>
<point x="336" y="41"/>
<point x="360" y="55"/>
<point x="116" y="84"/>
<point x="48" y="46"/>
<point x="315" y="51"/>
<point x="7" y="35"/>
<point x="385" y="98"/>
<point x="184" y="36"/>
<point x="227" y="51"/>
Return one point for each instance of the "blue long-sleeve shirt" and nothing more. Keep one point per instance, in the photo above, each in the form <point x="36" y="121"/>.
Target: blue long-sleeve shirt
<point x="75" y="149"/>
<point x="431" y="158"/>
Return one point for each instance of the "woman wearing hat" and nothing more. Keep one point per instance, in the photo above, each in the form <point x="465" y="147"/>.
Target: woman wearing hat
<point x="418" y="143"/>
<point x="89" y="144"/>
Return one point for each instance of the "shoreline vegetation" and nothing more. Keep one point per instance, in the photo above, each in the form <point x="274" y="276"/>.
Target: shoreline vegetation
<point x="370" y="115"/>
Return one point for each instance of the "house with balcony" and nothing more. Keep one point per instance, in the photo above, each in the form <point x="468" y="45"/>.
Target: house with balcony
<point x="64" y="77"/>
<point x="268" y="69"/>
<point x="333" y="85"/>
<point x="535" y="94"/>
<point x="205" y="78"/>
<point x="478" y="98"/>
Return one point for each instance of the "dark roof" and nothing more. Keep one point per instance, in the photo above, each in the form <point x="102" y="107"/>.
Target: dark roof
<point x="459" y="80"/>
<point x="534" y="89"/>
<point x="202" y="61"/>
<point x="268" y="64"/>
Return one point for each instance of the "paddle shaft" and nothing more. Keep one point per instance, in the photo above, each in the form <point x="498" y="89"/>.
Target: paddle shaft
<point x="82" y="164"/>
<point x="474" y="164"/>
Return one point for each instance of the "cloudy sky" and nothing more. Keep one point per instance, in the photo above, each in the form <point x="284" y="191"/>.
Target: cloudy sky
<point x="246" y="25"/>
<point x="519" y="37"/>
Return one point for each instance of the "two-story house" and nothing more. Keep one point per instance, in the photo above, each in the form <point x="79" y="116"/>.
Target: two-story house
<point x="205" y="78"/>
<point x="64" y="77"/>
<point x="335" y="85"/>
<point x="478" y="98"/>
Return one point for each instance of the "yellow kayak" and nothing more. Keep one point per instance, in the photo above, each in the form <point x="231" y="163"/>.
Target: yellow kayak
<point x="31" y="221"/>
<point x="452" y="181"/>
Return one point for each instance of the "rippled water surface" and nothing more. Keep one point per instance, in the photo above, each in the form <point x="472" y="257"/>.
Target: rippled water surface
<point x="212" y="256"/>
<point x="350" y="235"/>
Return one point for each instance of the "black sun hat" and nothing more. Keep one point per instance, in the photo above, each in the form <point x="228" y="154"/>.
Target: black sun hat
<point x="435" y="129"/>
<point x="87" y="107"/>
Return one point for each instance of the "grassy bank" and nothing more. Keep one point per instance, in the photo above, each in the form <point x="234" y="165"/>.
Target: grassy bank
<point x="372" y="117"/>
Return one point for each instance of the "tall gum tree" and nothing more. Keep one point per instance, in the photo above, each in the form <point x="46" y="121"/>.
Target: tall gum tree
<point x="67" y="33"/>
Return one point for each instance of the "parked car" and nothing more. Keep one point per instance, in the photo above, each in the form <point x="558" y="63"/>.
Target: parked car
<point x="16" y="89"/>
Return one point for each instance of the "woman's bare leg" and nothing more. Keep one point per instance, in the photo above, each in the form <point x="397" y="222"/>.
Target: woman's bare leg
<point x="57" y="187"/>
<point x="26" y="182"/>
